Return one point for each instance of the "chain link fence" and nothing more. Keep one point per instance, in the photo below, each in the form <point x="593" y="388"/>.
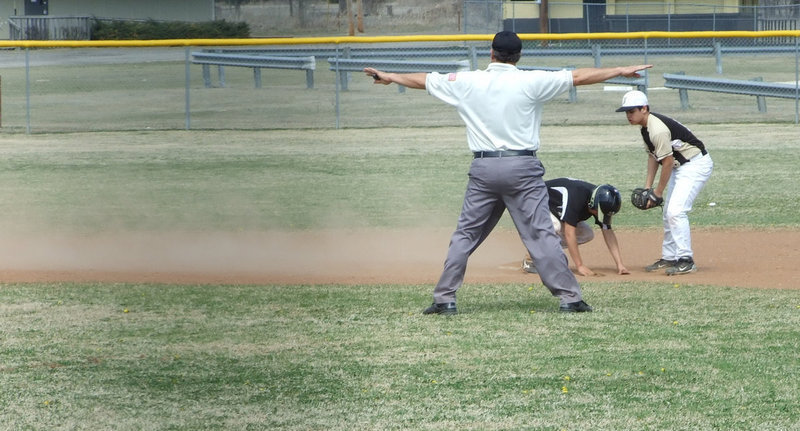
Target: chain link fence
<point x="714" y="79"/>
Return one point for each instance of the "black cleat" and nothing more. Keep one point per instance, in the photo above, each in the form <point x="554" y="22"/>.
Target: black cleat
<point x="660" y="264"/>
<point x="576" y="307"/>
<point x="685" y="265"/>
<point x="445" y="308"/>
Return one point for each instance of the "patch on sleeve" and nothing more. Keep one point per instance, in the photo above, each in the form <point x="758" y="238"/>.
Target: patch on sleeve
<point x="451" y="77"/>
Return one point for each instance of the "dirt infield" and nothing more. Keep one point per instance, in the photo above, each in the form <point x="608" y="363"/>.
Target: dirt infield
<point x="742" y="258"/>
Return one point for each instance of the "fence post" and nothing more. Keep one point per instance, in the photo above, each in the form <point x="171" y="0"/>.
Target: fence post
<point x="27" y="90"/>
<point x="473" y="58"/>
<point x="596" y="54"/>
<point x="718" y="55"/>
<point x="187" y="77"/>
<point x="337" y="86"/>
<point x="797" y="80"/>
<point x="344" y="77"/>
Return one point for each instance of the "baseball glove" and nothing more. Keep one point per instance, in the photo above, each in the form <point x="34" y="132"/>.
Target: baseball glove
<point x="641" y="196"/>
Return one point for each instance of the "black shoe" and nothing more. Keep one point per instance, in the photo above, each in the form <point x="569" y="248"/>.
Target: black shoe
<point x="576" y="307"/>
<point x="660" y="264"/>
<point x="685" y="265"/>
<point x="446" y="309"/>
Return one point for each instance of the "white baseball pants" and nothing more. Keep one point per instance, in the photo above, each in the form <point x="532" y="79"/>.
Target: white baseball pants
<point x="685" y="184"/>
<point x="583" y="232"/>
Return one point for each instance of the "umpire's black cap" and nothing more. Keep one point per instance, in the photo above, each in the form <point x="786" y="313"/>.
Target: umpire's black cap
<point x="507" y="41"/>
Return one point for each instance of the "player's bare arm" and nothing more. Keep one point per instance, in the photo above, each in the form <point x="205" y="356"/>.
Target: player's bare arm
<point x="593" y="75"/>
<point x="410" y="80"/>
<point x="652" y="168"/>
<point x="663" y="179"/>
<point x="571" y="238"/>
<point x="613" y="247"/>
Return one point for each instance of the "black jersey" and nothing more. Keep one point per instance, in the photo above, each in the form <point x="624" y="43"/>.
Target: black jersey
<point x="569" y="200"/>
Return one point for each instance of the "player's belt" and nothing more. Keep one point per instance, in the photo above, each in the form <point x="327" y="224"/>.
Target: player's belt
<point x="700" y="154"/>
<point x="506" y="153"/>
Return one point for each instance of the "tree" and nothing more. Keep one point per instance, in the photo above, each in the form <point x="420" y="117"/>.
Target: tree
<point x="237" y="6"/>
<point x="360" y="16"/>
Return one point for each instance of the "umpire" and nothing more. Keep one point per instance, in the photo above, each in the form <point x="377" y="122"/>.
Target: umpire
<point x="502" y="109"/>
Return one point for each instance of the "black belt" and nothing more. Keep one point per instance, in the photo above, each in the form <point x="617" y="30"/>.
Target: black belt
<point x="701" y="154"/>
<point x="506" y="153"/>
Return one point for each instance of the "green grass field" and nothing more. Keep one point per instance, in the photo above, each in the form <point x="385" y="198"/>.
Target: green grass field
<point x="256" y="180"/>
<point x="654" y="356"/>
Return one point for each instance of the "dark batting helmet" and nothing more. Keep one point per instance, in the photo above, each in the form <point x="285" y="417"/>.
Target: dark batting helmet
<point x="606" y="199"/>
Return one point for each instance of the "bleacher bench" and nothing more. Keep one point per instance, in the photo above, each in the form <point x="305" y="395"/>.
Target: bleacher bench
<point x="756" y="87"/>
<point x="254" y="61"/>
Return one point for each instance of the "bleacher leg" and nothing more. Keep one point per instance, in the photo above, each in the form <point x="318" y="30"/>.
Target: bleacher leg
<point x="207" y="75"/>
<point x="684" y="95"/>
<point x="760" y="100"/>
<point x="762" y="103"/>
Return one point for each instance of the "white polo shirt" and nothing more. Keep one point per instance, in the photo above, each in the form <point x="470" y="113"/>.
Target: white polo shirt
<point x="502" y="105"/>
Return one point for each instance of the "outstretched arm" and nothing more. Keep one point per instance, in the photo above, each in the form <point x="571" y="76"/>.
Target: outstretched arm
<point x="593" y="75"/>
<point x="613" y="247"/>
<point x="410" y="80"/>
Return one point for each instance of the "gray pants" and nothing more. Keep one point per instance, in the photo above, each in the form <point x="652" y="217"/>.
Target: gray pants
<point x="514" y="183"/>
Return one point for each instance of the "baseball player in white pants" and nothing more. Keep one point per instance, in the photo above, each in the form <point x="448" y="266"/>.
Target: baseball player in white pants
<point x="685" y="166"/>
<point x="683" y="187"/>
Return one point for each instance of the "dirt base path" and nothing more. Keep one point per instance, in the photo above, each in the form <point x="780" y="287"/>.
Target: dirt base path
<point x="760" y="259"/>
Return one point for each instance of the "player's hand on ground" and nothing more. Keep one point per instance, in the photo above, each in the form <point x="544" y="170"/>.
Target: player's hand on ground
<point x="621" y="270"/>
<point x="585" y="271"/>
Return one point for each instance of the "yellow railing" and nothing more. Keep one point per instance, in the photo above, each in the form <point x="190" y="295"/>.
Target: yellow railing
<point x="389" y="39"/>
